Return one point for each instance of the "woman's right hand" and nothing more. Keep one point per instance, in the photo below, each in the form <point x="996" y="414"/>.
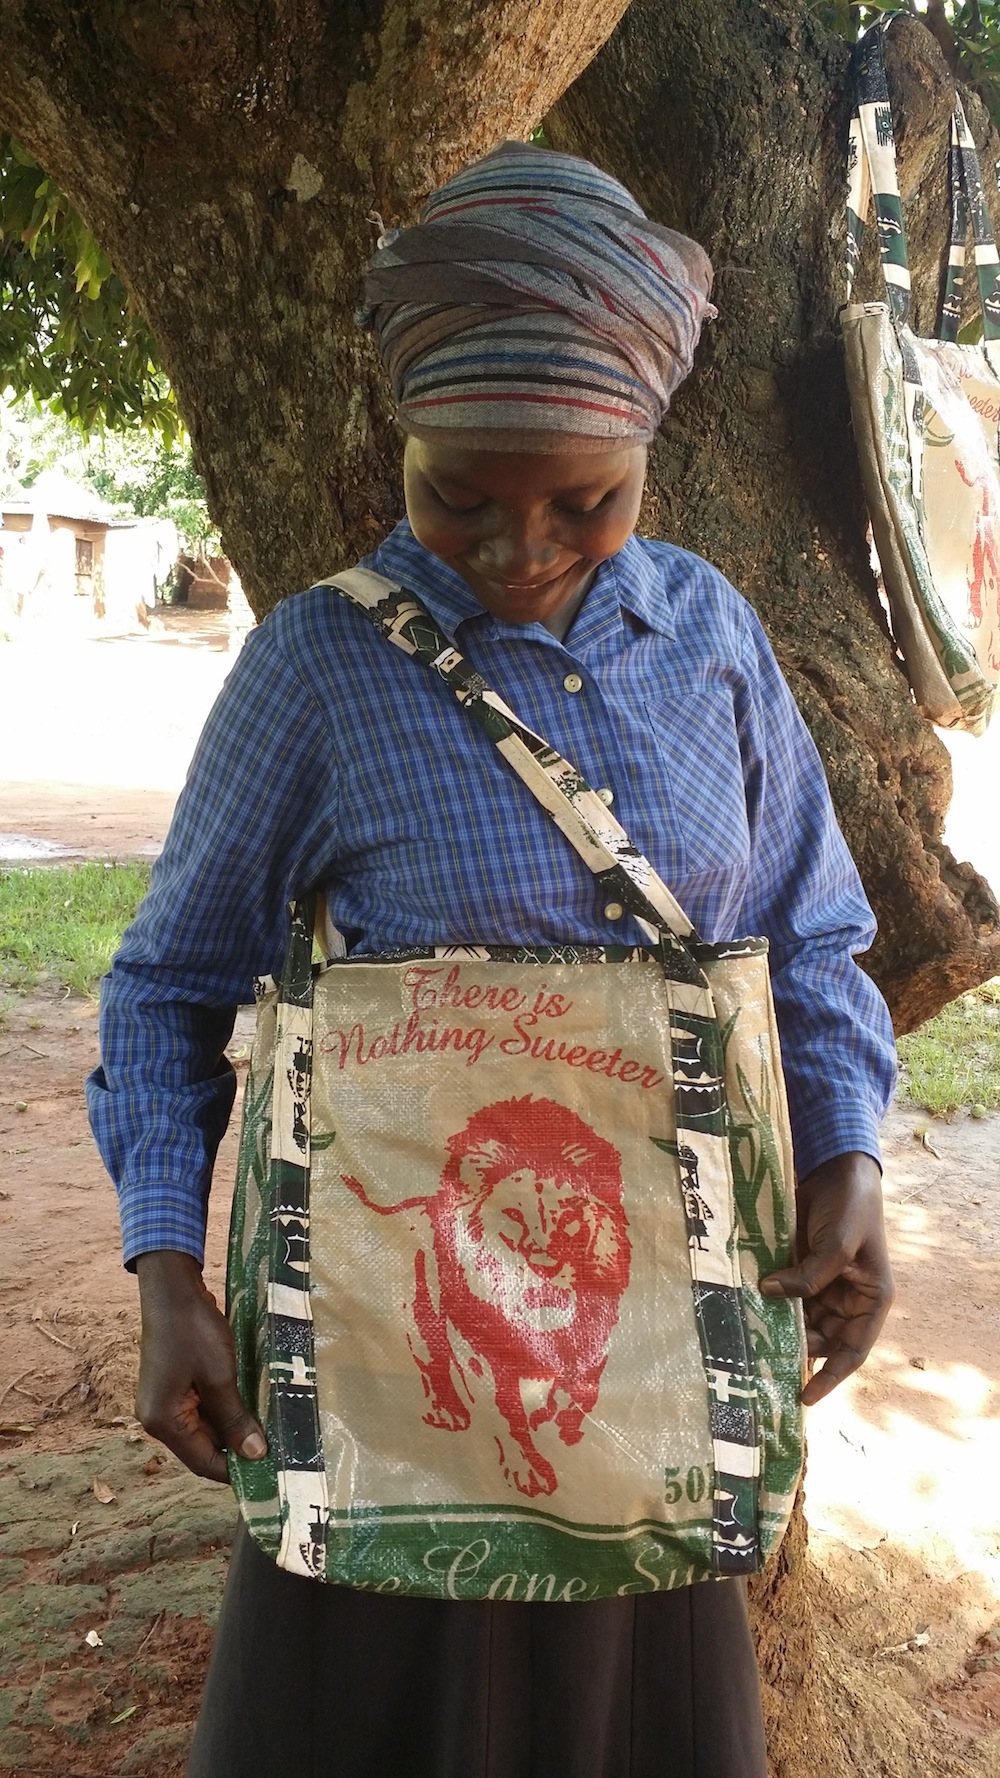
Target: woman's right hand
<point x="187" y="1395"/>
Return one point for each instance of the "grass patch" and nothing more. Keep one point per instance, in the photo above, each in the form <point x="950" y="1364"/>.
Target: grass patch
<point x="65" y="924"/>
<point x="954" y="1060"/>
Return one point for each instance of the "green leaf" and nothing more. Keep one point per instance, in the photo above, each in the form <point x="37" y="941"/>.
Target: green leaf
<point x="68" y="336"/>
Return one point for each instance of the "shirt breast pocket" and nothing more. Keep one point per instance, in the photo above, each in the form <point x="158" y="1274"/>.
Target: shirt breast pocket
<point x="699" y="747"/>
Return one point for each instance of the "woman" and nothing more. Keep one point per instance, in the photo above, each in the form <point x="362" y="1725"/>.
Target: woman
<point x="534" y="326"/>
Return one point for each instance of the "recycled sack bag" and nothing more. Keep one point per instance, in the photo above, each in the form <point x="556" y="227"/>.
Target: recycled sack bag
<point x="926" y="418"/>
<point x="500" y="1219"/>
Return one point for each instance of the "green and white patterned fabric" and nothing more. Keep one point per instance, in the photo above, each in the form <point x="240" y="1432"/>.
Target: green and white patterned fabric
<point x="926" y="415"/>
<point x="500" y="1221"/>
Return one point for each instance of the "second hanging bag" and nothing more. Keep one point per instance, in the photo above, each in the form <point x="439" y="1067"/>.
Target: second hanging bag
<point x="926" y="414"/>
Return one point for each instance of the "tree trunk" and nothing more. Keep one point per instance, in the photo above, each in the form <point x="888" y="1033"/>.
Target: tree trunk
<point x="731" y="123"/>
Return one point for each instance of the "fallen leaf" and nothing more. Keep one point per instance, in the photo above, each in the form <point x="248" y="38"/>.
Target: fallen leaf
<point x="123" y="1714"/>
<point x="102" y="1492"/>
<point x="93" y="1640"/>
<point x="919" y="1364"/>
<point x="12" y="1426"/>
<point x="74" y="1528"/>
<point x="928" y="1144"/>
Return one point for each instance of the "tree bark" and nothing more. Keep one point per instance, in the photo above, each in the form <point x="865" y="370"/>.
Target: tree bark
<point x="731" y="124"/>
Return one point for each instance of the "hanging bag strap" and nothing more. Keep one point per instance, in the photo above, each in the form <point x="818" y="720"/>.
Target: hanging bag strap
<point x="624" y="875"/>
<point x="968" y="200"/>
<point x="872" y="174"/>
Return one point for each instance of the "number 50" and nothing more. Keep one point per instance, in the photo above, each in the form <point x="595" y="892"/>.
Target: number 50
<point x="694" y="1485"/>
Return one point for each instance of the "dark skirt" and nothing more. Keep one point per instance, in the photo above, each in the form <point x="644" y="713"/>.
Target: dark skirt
<point x="310" y="1681"/>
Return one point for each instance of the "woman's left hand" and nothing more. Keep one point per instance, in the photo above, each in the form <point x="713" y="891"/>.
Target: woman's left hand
<point x="843" y="1273"/>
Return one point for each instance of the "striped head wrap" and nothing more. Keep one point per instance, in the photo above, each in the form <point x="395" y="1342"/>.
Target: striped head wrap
<point x="536" y="307"/>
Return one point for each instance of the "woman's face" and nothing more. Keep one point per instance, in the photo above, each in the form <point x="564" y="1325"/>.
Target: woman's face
<point x="524" y="530"/>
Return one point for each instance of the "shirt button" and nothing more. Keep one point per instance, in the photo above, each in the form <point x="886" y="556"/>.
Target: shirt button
<point x="572" y="682"/>
<point x="607" y="797"/>
<point x="614" y="910"/>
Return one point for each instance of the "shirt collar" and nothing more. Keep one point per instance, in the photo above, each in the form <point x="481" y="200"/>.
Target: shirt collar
<point x="631" y="580"/>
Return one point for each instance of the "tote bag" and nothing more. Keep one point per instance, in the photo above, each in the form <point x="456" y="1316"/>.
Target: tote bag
<point x="926" y="414"/>
<point x="500" y="1220"/>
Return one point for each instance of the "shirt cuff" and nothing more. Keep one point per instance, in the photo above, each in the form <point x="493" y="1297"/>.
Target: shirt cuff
<point x="154" y="1217"/>
<point x="823" y="1130"/>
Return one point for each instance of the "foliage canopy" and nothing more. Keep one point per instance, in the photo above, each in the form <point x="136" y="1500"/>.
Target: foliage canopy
<point x="68" y="335"/>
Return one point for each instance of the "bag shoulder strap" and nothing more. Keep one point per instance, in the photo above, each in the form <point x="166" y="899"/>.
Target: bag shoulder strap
<point x="872" y="174"/>
<point x="623" y="873"/>
<point x="968" y="199"/>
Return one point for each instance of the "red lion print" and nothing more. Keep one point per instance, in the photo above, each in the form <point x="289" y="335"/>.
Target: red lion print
<point x="528" y="1260"/>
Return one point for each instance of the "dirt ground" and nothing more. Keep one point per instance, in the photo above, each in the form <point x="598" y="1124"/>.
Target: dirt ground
<point x="112" y="1557"/>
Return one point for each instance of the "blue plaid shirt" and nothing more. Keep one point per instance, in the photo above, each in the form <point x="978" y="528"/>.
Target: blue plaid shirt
<point x="331" y="759"/>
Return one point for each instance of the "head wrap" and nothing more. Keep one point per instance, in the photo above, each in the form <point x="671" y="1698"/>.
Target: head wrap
<point x="536" y="307"/>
